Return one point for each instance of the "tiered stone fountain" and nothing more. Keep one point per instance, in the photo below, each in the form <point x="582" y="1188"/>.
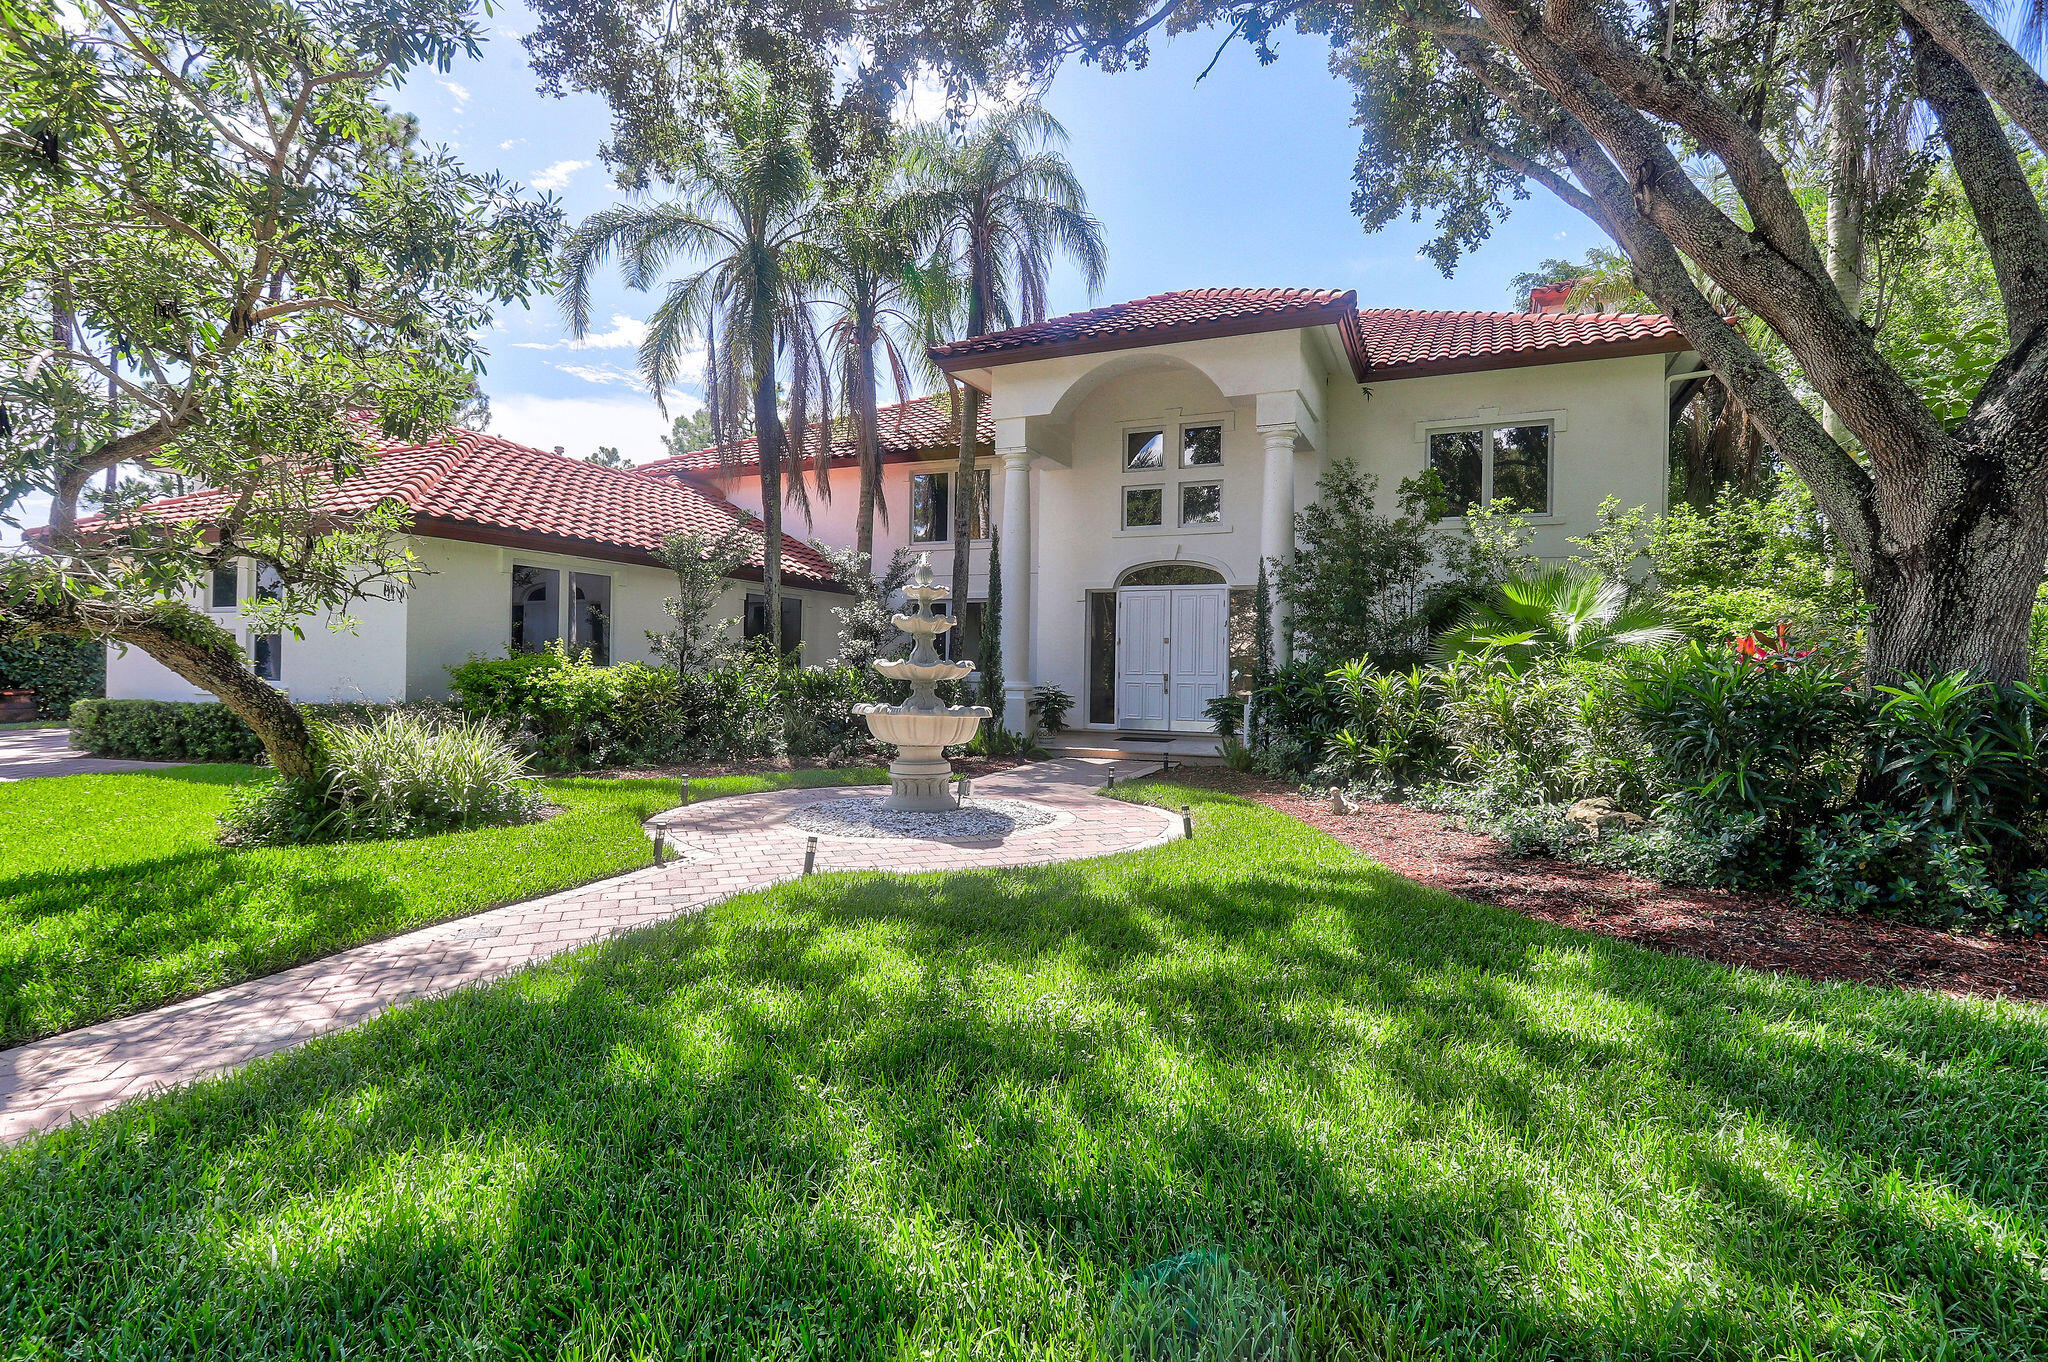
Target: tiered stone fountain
<point x="921" y="728"/>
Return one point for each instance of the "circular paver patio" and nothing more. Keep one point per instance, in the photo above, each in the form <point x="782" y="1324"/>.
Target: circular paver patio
<point x="720" y="847"/>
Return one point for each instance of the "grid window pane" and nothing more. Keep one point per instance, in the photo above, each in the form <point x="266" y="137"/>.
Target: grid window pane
<point x="1144" y="450"/>
<point x="226" y="585"/>
<point x="1201" y="503"/>
<point x="1201" y="447"/>
<point x="1144" y="506"/>
<point x="1521" y="467"/>
<point x="536" y="608"/>
<point x="1102" y="657"/>
<point x="931" y="508"/>
<point x="266" y="656"/>
<point x="1455" y="457"/>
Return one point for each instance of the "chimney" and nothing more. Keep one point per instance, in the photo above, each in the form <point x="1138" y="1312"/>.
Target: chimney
<point x="1552" y="297"/>
<point x="561" y="451"/>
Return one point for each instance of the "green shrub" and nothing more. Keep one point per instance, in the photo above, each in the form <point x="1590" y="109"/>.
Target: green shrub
<point x="399" y="775"/>
<point x="574" y="715"/>
<point x="60" y="671"/>
<point x="189" y="730"/>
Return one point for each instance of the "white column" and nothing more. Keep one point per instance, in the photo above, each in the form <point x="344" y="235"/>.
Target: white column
<point x="1276" y="518"/>
<point x="1016" y="589"/>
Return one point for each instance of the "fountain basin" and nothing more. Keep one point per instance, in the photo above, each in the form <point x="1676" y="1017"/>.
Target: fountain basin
<point x="932" y="728"/>
<point x="927" y="673"/>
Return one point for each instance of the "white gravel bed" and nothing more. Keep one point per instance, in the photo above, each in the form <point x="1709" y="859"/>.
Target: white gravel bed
<point x="864" y="816"/>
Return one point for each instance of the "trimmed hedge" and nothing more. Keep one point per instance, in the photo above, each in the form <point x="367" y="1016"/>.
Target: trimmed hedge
<point x="60" y="671"/>
<point x="183" y="730"/>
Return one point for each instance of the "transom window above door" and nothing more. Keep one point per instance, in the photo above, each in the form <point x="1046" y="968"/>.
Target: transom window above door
<point x="1480" y="465"/>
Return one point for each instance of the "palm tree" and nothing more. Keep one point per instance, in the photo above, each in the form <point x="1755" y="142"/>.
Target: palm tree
<point x="749" y="213"/>
<point x="1007" y="197"/>
<point x="1559" y="612"/>
<point x="879" y="298"/>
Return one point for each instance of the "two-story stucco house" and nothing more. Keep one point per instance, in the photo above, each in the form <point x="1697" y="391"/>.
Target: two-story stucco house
<point x="1140" y="459"/>
<point x="1144" y="457"/>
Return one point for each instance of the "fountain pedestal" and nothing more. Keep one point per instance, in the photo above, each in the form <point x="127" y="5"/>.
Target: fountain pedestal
<point x="920" y="778"/>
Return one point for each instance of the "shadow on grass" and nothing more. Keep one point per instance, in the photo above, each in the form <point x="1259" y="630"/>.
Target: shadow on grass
<point x="859" y="1112"/>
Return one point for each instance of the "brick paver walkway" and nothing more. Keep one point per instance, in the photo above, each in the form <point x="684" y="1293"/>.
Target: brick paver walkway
<point x="721" y="847"/>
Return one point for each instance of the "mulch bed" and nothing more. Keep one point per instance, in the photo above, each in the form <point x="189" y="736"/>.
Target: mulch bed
<point x="1752" y="930"/>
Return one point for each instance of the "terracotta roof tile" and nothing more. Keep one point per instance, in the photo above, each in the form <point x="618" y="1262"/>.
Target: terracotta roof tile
<point x="1184" y="315"/>
<point x="484" y="486"/>
<point x="1383" y="343"/>
<point x="1403" y="338"/>
<point x="906" y="427"/>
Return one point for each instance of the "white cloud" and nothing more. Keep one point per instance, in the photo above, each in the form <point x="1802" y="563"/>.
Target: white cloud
<point x="557" y="175"/>
<point x="510" y="143"/>
<point x="626" y="334"/>
<point x="634" y="425"/>
<point x="607" y="374"/>
<point x="459" y="93"/>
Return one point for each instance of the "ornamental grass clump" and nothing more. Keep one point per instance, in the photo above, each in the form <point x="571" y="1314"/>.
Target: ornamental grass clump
<point x="400" y="775"/>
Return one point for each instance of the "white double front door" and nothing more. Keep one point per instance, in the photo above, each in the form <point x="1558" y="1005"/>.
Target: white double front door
<point x="1172" y="655"/>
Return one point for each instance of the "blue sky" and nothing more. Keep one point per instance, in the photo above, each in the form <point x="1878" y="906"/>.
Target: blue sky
<point x="1244" y="179"/>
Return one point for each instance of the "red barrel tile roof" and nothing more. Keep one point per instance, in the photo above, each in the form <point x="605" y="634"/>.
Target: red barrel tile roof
<point x="906" y="428"/>
<point x="488" y="489"/>
<point x="1382" y="343"/>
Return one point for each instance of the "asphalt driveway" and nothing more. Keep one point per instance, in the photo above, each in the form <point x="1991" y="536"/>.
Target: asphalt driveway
<point x="29" y="752"/>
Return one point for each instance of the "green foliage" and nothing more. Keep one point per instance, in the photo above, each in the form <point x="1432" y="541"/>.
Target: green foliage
<point x="988" y="672"/>
<point x="866" y="628"/>
<point x="1748" y="565"/>
<point x="870" y="1117"/>
<point x="701" y="564"/>
<point x="398" y="775"/>
<point x="162" y="730"/>
<point x="1049" y="708"/>
<point x="574" y="715"/>
<point x="1361" y="582"/>
<point x="59" y="670"/>
<point x="1563" y="612"/>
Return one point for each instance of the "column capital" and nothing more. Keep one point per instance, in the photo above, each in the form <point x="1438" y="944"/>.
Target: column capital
<point x="1282" y="432"/>
<point x="1017" y="456"/>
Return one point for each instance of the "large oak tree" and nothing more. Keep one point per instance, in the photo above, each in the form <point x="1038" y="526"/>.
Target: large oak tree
<point x="1622" y="110"/>
<point x="229" y="263"/>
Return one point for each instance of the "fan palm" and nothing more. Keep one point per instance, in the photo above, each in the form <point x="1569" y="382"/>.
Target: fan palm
<point x="1008" y="201"/>
<point x="1559" y="612"/>
<point x="879" y="298"/>
<point x="748" y="217"/>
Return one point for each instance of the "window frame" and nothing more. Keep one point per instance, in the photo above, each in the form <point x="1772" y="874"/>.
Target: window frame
<point x="1196" y="484"/>
<point x="1124" y="510"/>
<point x="984" y="483"/>
<point x="1487" y="427"/>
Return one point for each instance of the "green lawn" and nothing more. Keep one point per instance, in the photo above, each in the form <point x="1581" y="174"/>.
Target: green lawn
<point x="114" y="896"/>
<point x="859" y="1117"/>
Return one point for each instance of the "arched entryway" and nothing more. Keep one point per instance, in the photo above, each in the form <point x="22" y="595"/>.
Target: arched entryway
<point x="1172" y="646"/>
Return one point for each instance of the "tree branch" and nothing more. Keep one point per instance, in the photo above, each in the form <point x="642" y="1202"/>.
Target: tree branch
<point x="1991" y="61"/>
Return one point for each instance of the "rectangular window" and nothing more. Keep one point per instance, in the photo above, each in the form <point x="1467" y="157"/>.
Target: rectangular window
<point x="590" y="616"/>
<point x="1494" y="463"/>
<point x="536" y="608"/>
<point x="1521" y="467"/>
<point x="1201" y="503"/>
<point x="266" y="656"/>
<point x="754" y="621"/>
<point x="1201" y="446"/>
<point x="1102" y="657"/>
<point x="225" y="593"/>
<point x="1455" y="456"/>
<point x="1244" y="638"/>
<point x="1144" y="507"/>
<point x="1144" y="450"/>
<point x="931" y="507"/>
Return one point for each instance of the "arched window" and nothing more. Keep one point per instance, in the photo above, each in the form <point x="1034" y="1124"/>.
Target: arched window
<point x="1171" y="574"/>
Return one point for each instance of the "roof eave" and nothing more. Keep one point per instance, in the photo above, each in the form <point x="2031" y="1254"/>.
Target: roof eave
<point x="1341" y="312"/>
<point x="470" y="532"/>
<point x="1523" y="359"/>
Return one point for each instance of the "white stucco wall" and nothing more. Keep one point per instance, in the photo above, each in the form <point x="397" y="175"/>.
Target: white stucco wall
<point x="332" y="662"/>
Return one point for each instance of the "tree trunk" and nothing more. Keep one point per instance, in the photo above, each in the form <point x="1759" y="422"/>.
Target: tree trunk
<point x="970" y="425"/>
<point x="867" y="448"/>
<point x="1964" y="608"/>
<point x="768" y="440"/>
<point x="1847" y="132"/>
<point x="197" y="649"/>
